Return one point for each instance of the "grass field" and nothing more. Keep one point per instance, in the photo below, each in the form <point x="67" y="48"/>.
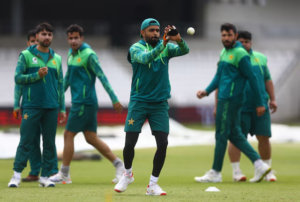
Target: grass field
<point x="91" y="180"/>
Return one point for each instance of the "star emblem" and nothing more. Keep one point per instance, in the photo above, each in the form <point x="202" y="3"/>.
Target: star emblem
<point x="25" y="116"/>
<point x="53" y="61"/>
<point x="79" y="59"/>
<point x="130" y="121"/>
<point x="231" y="57"/>
<point x="256" y="60"/>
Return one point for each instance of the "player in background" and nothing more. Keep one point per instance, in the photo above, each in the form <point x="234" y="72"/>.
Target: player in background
<point x="150" y="91"/>
<point x="234" y="69"/>
<point x="250" y="122"/>
<point x="40" y="72"/>
<point x="83" y="68"/>
<point x="35" y="157"/>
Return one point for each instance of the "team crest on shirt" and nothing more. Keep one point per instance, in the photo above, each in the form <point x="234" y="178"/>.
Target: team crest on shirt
<point x="53" y="62"/>
<point x="256" y="59"/>
<point x="78" y="60"/>
<point x="230" y="57"/>
<point x="34" y="60"/>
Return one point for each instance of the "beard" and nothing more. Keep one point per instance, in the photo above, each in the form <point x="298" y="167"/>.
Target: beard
<point x="42" y="43"/>
<point x="152" y="40"/>
<point x="230" y="45"/>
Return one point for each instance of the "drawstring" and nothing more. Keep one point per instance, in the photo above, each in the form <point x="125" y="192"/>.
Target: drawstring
<point x="84" y="65"/>
<point x="148" y="51"/>
<point x="40" y="68"/>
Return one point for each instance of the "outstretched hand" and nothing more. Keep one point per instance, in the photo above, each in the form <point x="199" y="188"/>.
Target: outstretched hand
<point x="201" y="94"/>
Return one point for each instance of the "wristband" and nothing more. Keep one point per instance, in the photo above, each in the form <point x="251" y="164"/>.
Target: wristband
<point x="166" y="38"/>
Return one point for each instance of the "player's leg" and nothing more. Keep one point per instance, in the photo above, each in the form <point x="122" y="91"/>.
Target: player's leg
<point x="235" y="153"/>
<point x="55" y="170"/>
<point x="102" y="147"/>
<point x="239" y="140"/>
<point x="158" y="117"/>
<point x="262" y="129"/>
<point x="135" y="119"/>
<point x="35" y="160"/>
<point x="30" y="125"/>
<point x="49" y="125"/>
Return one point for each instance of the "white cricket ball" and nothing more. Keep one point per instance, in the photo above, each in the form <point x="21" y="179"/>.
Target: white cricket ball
<point x="191" y="31"/>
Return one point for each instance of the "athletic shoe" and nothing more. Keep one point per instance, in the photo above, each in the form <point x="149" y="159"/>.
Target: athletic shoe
<point x="119" y="173"/>
<point x="155" y="190"/>
<point x="30" y="178"/>
<point x="59" y="178"/>
<point x="14" y="182"/>
<point x="270" y="177"/>
<point x="239" y="177"/>
<point x="46" y="182"/>
<point x="260" y="173"/>
<point x="210" y="176"/>
<point x="124" y="182"/>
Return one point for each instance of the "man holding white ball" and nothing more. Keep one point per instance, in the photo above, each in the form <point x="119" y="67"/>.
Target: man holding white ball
<point x="150" y="91"/>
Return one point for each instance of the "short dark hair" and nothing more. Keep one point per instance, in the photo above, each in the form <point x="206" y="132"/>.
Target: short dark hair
<point x="227" y="27"/>
<point x="44" y="26"/>
<point x="75" y="28"/>
<point x="244" y="35"/>
<point x="30" y="34"/>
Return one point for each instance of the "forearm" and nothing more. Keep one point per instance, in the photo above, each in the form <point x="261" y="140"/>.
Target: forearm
<point x="216" y="97"/>
<point x="17" y="96"/>
<point x="27" y="78"/>
<point x="270" y="89"/>
<point x="139" y="56"/>
<point x="61" y="91"/>
<point x="213" y="85"/>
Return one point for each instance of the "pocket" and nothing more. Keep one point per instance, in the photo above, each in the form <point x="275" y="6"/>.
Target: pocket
<point x="137" y="85"/>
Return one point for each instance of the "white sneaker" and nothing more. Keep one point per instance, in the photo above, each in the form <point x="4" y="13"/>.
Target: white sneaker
<point x="119" y="173"/>
<point x="270" y="177"/>
<point x="239" y="177"/>
<point x="260" y="173"/>
<point x="45" y="182"/>
<point x="14" y="182"/>
<point x="59" y="178"/>
<point x="155" y="190"/>
<point x="210" y="176"/>
<point x="124" y="182"/>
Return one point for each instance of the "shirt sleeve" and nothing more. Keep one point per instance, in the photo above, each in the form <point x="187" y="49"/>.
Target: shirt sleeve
<point x="178" y="50"/>
<point x="67" y="80"/>
<point x="246" y="69"/>
<point x="94" y="65"/>
<point x="17" y="96"/>
<point x="20" y="77"/>
<point x="61" y="91"/>
<point x="214" y="83"/>
<point x="139" y="56"/>
<point x="267" y="74"/>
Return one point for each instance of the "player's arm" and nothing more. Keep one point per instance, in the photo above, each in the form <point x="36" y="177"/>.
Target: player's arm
<point x="216" y="102"/>
<point x="212" y="86"/>
<point x="94" y="65"/>
<point x="246" y="69"/>
<point x="270" y="90"/>
<point x="17" y="98"/>
<point x="61" y="94"/>
<point x="178" y="50"/>
<point x="20" y="77"/>
<point x="140" y="56"/>
<point x="66" y="81"/>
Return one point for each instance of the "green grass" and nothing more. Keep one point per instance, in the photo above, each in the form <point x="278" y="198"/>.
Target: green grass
<point x="91" y="180"/>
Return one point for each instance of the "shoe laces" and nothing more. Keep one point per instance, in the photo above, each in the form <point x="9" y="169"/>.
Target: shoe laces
<point x="15" y="178"/>
<point x="156" y="187"/>
<point x="123" y="178"/>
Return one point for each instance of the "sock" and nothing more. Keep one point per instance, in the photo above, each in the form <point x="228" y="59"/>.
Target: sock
<point x="128" y="171"/>
<point x="236" y="167"/>
<point x="65" y="170"/>
<point x="268" y="162"/>
<point x="117" y="162"/>
<point x="258" y="163"/>
<point x="216" y="172"/>
<point x="153" y="180"/>
<point x="17" y="175"/>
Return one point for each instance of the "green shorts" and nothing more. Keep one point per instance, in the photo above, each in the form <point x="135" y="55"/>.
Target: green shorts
<point x="251" y="123"/>
<point x="82" y="118"/>
<point x="156" y="113"/>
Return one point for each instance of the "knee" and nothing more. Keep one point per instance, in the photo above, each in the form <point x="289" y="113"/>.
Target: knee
<point x="262" y="139"/>
<point x="68" y="135"/>
<point x="91" y="138"/>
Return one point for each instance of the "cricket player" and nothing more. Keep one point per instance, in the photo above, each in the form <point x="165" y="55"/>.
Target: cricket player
<point x="250" y="122"/>
<point x="83" y="68"/>
<point x="234" y="69"/>
<point x="150" y="91"/>
<point x="39" y="70"/>
<point x="35" y="157"/>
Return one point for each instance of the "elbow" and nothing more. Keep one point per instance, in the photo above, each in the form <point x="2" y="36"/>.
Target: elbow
<point x="187" y="50"/>
<point x="17" y="80"/>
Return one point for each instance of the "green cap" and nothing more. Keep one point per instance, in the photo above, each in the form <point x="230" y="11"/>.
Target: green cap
<point x="148" y="22"/>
